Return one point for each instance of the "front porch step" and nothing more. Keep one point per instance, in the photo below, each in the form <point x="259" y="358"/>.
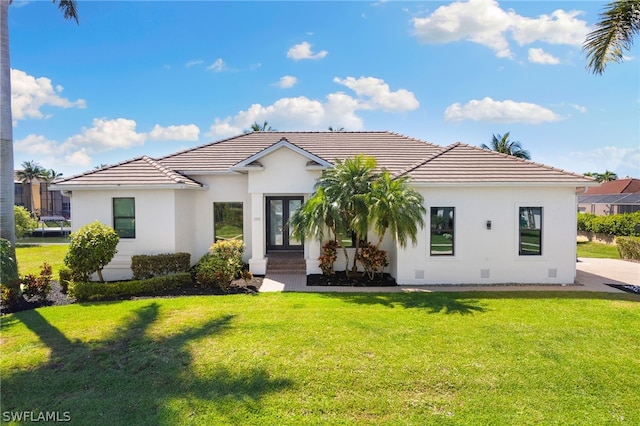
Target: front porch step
<point x="286" y="263"/>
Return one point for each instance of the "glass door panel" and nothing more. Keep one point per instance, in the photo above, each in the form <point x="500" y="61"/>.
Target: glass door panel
<point x="293" y="206"/>
<point x="279" y="210"/>
<point x="276" y="222"/>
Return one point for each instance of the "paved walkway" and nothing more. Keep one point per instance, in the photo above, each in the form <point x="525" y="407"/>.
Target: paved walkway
<point x="592" y="275"/>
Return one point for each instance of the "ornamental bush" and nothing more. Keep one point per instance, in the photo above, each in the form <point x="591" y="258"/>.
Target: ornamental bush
<point x="149" y="266"/>
<point x="25" y="224"/>
<point x="615" y="224"/>
<point x="328" y="257"/>
<point x="91" y="248"/>
<point x="628" y="247"/>
<point x="8" y="264"/>
<point x="221" y="265"/>
<point x="91" y="291"/>
<point x="372" y="259"/>
<point x="37" y="286"/>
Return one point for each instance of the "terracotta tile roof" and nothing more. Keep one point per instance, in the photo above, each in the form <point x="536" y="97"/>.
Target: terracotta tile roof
<point x="392" y="151"/>
<point x="460" y="163"/>
<point x="618" y="186"/>
<point x="138" y="171"/>
<point x="425" y="162"/>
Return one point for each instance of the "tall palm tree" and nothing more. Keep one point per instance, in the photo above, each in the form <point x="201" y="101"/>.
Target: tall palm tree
<point x="395" y="207"/>
<point x="7" y="199"/>
<point x="619" y="23"/>
<point x="503" y="145"/>
<point x="30" y="172"/>
<point x="607" y="176"/>
<point x="336" y="129"/>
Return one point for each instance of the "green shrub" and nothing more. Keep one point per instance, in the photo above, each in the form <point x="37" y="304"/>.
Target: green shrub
<point x="9" y="296"/>
<point x="372" y="259"/>
<point x="615" y="224"/>
<point x="628" y="247"/>
<point x="91" y="248"/>
<point x="149" y="266"/>
<point x="37" y="286"/>
<point x="25" y="223"/>
<point x="8" y="264"/>
<point x="93" y="291"/>
<point x="221" y="265"/>
<point x="65" y="277"/>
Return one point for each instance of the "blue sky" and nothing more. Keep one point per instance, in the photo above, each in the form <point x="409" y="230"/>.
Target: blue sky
<point x="155" y="77"/>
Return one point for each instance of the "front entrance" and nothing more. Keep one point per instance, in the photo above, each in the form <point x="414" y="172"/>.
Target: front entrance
<point x="279" y="210"/>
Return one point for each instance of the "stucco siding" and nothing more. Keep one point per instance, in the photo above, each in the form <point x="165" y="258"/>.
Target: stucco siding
<point x="484" y="256"/>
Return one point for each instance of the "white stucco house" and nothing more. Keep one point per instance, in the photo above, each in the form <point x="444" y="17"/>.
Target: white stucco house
<point x="491" y="218"/>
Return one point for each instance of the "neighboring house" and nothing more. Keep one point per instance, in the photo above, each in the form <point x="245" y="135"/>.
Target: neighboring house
<point x="613" y="197"/>
<point x="491" y="218"/>
<point x="46" y="202"/>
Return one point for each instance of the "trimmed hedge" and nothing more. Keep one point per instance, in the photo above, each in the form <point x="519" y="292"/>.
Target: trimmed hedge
<point x="93" y="291"/>
<point x="615" y="224"/>
<point x="148" y="266"/>
<point x="628" y="247"/>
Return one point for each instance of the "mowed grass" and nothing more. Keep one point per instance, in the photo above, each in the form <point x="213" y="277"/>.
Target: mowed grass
<point x="500" y="358"/>
<point x="599" y="250"/>
<point x="31" y="257"/>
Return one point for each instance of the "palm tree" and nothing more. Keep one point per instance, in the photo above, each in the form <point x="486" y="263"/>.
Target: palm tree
<point x="7" y="199"/>
<point x="503" y="145"/>
<point x="395" y="207"/>
<point x="619" y="23"/>
<point x="607" y="176"/>
<point x="31" y="171"/>
<point x="255" y="127"/>
<point x="336" y="129"/>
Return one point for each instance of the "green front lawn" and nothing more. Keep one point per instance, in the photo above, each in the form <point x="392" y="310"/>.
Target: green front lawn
<point x="587" y="249"/>
<point x="32" y="256"/>
<point x="290" y="359"/>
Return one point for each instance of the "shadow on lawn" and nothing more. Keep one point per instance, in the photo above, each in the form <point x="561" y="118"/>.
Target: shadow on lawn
<point x="131" y="378"/>
<point x="448" y="303"/>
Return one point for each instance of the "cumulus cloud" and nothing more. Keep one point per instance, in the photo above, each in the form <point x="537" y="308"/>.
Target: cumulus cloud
<point x="106" y="135"/>
<point x="485" y="22"/>
<point x="539" y="56"/>
<point x="507" y="111"/>
<point x="287" y="82"/>
<point x="303" y="51"/>
<point x="337" y="109"/>
<point x="29" y="94"/>
<point x="188" y="132"/>
<point x="218" y="65"/>
<point x="36" y="145"/>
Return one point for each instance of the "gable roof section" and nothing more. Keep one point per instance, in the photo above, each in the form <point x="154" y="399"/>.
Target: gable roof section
<point x="392" y="151"/>
<point x="138" y="172"/>
<point x="618" y="186"/>
<point x="283" y="143"/>
<point x="462" y="163"/>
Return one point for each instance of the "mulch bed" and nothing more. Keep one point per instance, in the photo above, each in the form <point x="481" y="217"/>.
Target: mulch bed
<point x="342" y="280"/>
<point x="57" y="298"/>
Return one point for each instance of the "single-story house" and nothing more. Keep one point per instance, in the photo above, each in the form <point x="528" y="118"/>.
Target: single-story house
<point x="613" y="197"/>
<point x="491" y="218"/>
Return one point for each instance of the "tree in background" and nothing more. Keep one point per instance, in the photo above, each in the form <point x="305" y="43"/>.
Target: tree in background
<point x="25" y="223"/>
<point x="613" y="34"/>
<point x="607" y="176"/>
<point x="255" y="127"/>
<point x="503" y="145"/>
<point x="7" y="196"/>
<point x="30" y="172"/>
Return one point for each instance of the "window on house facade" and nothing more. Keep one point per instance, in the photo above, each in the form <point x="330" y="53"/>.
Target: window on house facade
<point x="124" y="217"/>
<point x="530" y="241"/>
<point x="227" y="221"/>
<point x="442" y="231"/>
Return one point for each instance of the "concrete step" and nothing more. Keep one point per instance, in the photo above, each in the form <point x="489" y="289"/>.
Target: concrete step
<point x="286" y="263"/>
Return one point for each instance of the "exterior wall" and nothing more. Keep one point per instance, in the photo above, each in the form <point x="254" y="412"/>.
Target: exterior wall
<point x="155" y="223"/>
<point x="185" y="220"/>
<point x="485" y="256"/>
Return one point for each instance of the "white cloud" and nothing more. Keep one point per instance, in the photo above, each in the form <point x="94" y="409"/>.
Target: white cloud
<point x="30" y="94"/>
<point x="379" y="94"/>
<point x="193" y="63"/>
<point x="218" y="65"/>
<point x="78" y="158"/>
<point x="106" y="135"/>
<point x="36" y="145"/>
<point x="338" y="109"/>
<point x="188" y="132"/>
<point x="303" y="51"/>
<point x="287" y="82"/>
<point x="486" y="23"/>
<point x="500" y="112"/>
<point x="539" y="56"/>
<point x="622" y="161"/>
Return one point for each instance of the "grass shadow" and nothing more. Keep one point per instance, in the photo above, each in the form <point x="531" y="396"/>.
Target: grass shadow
<point x="130" y="377"/>
<point x="448" y="303"/>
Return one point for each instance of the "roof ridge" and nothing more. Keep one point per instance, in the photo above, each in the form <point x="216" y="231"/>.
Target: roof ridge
<point x="426" y="160"/>
<point x="99" y="169"/>
<point x="171" y="174"/>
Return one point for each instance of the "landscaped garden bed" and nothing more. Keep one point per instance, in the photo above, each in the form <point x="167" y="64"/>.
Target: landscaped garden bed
<point x="342" y="280"/>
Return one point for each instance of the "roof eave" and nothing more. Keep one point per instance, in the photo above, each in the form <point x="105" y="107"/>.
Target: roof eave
<point x="73" y="187"/>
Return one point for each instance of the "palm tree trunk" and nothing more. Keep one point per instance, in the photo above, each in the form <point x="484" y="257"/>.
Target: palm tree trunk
<point x="7" y="220"/>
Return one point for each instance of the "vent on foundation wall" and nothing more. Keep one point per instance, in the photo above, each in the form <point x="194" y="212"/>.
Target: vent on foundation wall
<point x="484" y="273"/>
<point x="553" y="272"/>
<point x="419" y="274"/>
